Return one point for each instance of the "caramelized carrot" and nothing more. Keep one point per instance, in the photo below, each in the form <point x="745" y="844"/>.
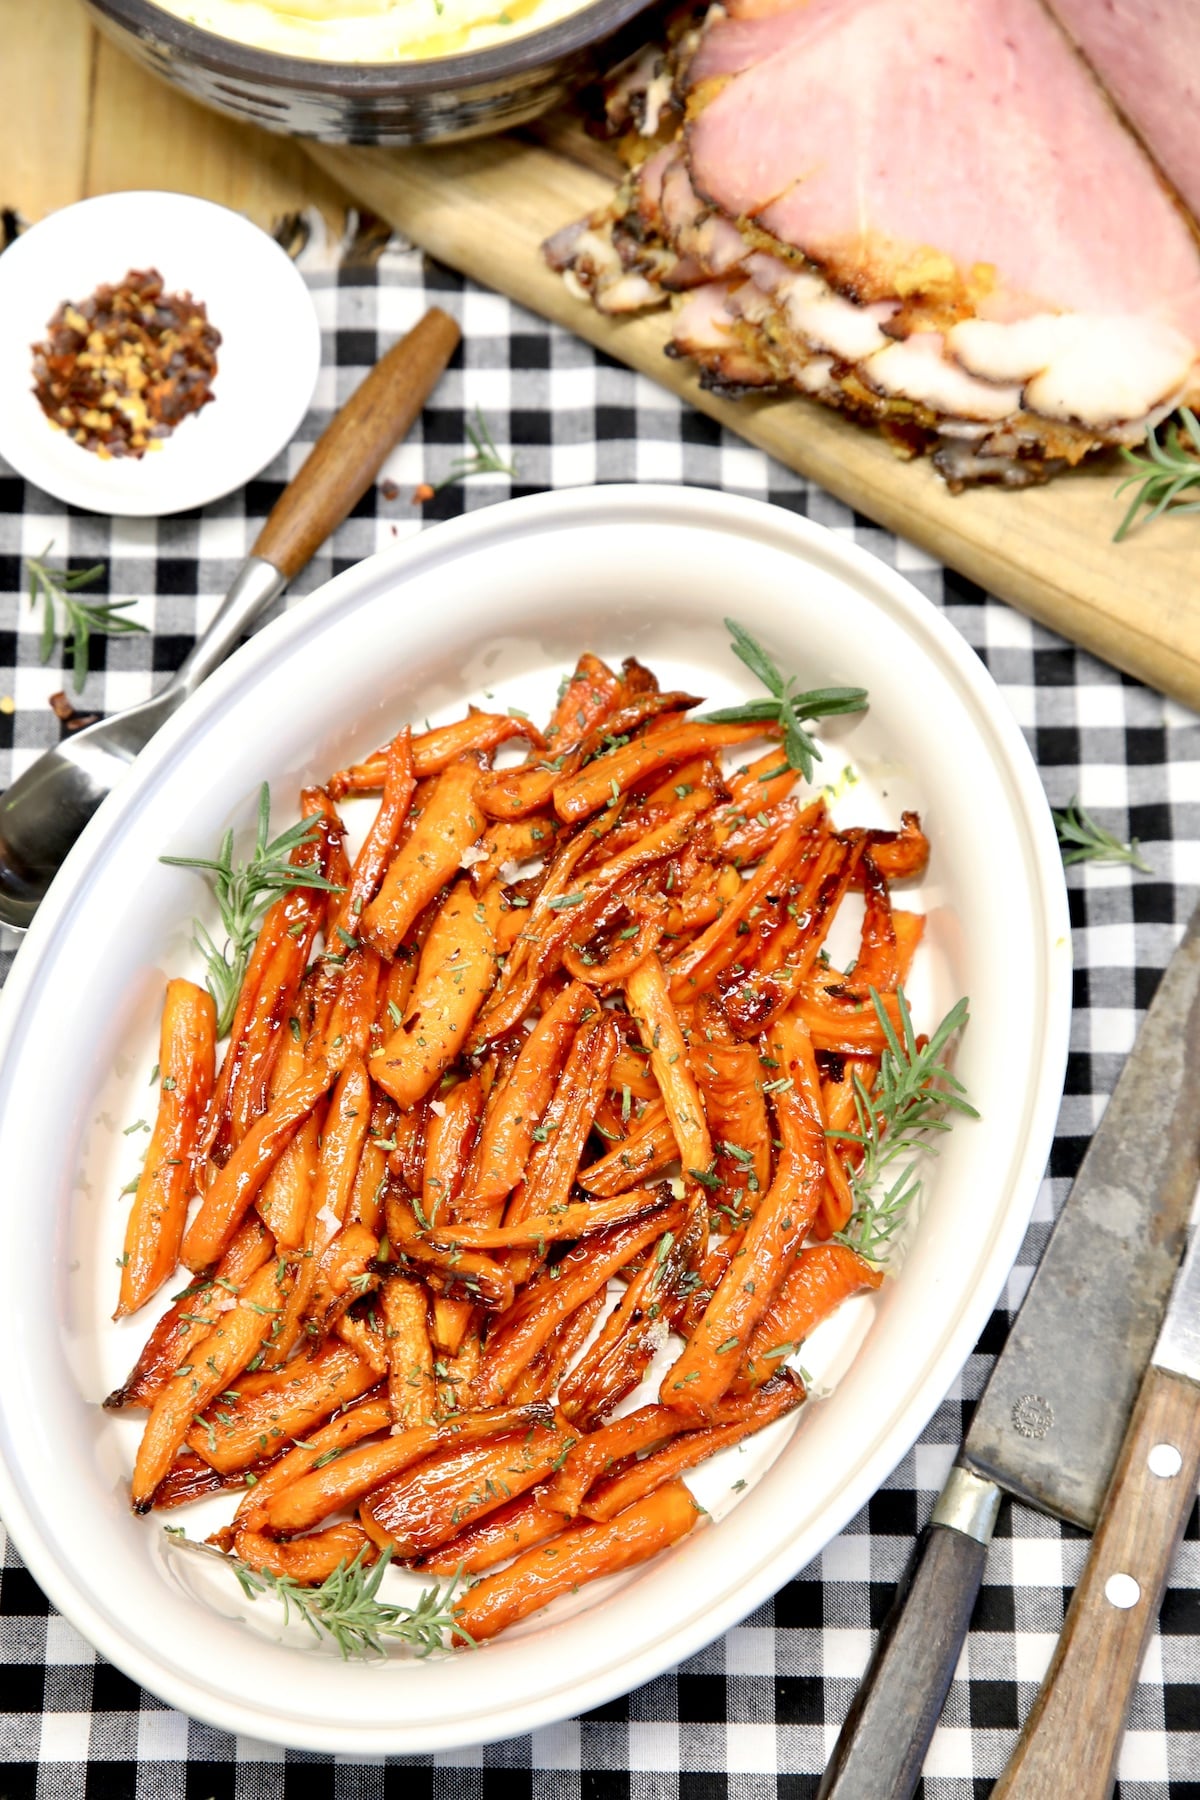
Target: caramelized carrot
<point x="457" y="970"/>
<point x="427" y="859"/>
<point x="186" y="1060"/>
<point x="427" y="1504"/>
<point x="259" y="1417"/>
<point x="579" y="1554"/>
<point x="818" y="1281"/>
<point x="649" y="1002"/>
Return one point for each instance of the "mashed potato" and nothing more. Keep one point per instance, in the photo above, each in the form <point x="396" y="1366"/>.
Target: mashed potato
<point x="371" y="31"/>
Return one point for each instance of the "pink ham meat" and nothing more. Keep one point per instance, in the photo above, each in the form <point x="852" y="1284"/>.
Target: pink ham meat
<point x="1147" y="54"/>
<point x="926" y="213"/>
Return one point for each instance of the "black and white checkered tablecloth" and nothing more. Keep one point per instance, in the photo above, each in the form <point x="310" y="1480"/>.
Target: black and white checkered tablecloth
<point x="762" y="1705"/>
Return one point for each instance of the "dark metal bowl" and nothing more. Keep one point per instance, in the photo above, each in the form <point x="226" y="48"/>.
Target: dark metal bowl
<point x="369" y="103"/>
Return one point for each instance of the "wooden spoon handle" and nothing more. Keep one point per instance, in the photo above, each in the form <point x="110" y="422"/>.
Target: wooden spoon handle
<point x="1073" y="1735"/>
<point x="347" y="456"/>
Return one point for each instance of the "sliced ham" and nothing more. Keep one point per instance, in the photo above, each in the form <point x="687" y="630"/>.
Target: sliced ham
<point x="1147" y="54"/>
<point x="927" y="213"/>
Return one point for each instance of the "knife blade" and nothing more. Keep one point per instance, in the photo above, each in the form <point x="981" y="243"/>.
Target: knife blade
<point x="1049" y="1425"/>
<point x="1078" y="1718"/>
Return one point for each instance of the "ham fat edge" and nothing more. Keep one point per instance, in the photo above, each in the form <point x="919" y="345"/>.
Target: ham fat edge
<point x="968" y="225"/>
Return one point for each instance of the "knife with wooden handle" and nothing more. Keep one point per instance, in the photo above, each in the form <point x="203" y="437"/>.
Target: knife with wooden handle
<point x="1049" y="1426"/>
<point x="1078" y="1718"/>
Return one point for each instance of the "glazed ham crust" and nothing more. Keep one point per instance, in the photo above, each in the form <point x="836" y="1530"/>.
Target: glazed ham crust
<point x="929" y="215"/>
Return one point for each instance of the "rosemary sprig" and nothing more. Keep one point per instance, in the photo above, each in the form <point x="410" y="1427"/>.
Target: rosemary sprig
<point x="345" y="1607"/>
<point x="898" y="1120"/>
<point x="485" y="459"/>
<point x="244" y="892"/>
<point x="1167" y="471"/>
<point x="56" y="592"/>
<point x="1082" y="840"/>
<point x="785" y="707"/>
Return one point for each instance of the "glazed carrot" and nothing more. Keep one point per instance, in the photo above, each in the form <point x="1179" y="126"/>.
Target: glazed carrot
<point x="347" y="1478"/>
<point x="876" y="963"/>
<point x="260" y="1417"/>
<point x="495" y="1537"/>
<point x="433" y="751"/>
<point x="517" y="1107"/>
<point x="650" y="1004"/>
<point x="578" y="796"/>
<point x="900" y="855"/>
<point x="431" y="1501"/>
<point x="412" y="1394"/>
<point x="364" y="1334"/>
<point x="909" y="928"/>
<point x="283" y="1199"/>
<point x="428" y="858"/>
<point x="590" y="696"/>
<point x="544" y="1374"/>
<point x="710" y="1360"/>
<point x="308" y="1559"/>
<point x="648" y="1149"/>
<point x="238" y="1182"/>
<point x="579" y="1554"/>
<point x="344" y="1272"/>
<point x="731" y="1079"/>
<point x="219" y="1358"/>
<point x="368" y="1419"/>
<point x="761" y="783"/>
<point x="566" y="1123"/>
<point x="186" y="1060"/>
<point x="190" y="1478"/>
<point x="689" y="971"/>
<point x="610" y="1497"/>
<point x="449" y="1141"/>
<point x="548" y="1300"/>
<point x="631" y="1435"/>
<point x="366" y="1201"/>
<point x="753" y="1002"/>
<point x="457" y="970"/>
<point x="398" y="787"/>
<point x="514" y="841"/>
<point x="817" y="1282"/>
<point x="570" y="1220"/>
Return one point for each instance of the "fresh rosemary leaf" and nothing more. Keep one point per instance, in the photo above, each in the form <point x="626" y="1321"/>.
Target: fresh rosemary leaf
<point x="1082" y="840"/>
<point x="898" y="1120"/>
<point x="346" y="1607"/>
<point x="485" y="459"/>
<point x="785" y="708"/>
<point x="244" y="892"/>
<point x="65" y="615"/>
<point x="1167" y="471"/>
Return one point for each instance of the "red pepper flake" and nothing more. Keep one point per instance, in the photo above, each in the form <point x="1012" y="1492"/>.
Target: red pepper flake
<point x="119" y="370"/>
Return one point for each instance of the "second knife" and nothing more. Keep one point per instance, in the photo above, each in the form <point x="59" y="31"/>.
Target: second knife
<point x="1051" y="1421"/>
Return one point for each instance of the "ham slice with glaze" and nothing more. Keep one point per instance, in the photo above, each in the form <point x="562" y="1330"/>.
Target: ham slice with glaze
<point x="927" y="213"/>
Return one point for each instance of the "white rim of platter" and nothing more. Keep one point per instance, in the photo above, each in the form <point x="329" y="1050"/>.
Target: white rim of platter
<point x="267" y="362"/>
<point x="499" y="603"/>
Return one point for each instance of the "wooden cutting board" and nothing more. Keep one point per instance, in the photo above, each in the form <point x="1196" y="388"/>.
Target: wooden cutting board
<point x="484" y="208"/>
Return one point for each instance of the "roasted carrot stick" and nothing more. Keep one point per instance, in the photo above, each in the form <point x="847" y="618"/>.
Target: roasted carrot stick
<point x="457" y="970"/>
<point x="710" y="1360"/>
<point x="731" y="1080"/>
<point x="308" y="1560"/>
<point x="412" y="1393"/>
<point x="449" y="1141"/>
<point x="692" y="969"/>
<point x="398" y="787"/>
<point x="578" y="796"/>
<point x="219" y="1358"/>
<point x="346" y="1479"/>
<point x="428" y="858"/>
<point x="495" y="1537"/>
<point x="650" y="1003"/>
<point x="368" y="1419"/>
<point x="433" y="751"/>
<point x="516" y="1109"/>
<point x="238" y="1182"/>
<point x="578" y="1220"/>
<point x="258" y="1418"/>
<point x="548" y="1299"/>
<point x="817" y="1282"/>
<point x="186" y="1060"/>
<point x="431" y="1501"/>
<point x="610" y="1497"/>
<point x="647" y="1150"/>
<point x="579" y="1554"/>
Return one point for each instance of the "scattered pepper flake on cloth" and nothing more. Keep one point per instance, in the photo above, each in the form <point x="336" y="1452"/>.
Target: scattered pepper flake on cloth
<point x="119" y="370"/>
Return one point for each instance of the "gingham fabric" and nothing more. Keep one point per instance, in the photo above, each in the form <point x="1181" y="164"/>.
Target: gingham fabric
<point x="758" y="1711"/>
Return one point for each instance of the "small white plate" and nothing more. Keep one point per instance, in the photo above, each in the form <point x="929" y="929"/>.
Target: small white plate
<point x="267" y="364"/>
<point x="493" y="607"/>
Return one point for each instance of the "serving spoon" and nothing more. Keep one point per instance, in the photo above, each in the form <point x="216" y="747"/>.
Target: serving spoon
<point x="48" y="806"/>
